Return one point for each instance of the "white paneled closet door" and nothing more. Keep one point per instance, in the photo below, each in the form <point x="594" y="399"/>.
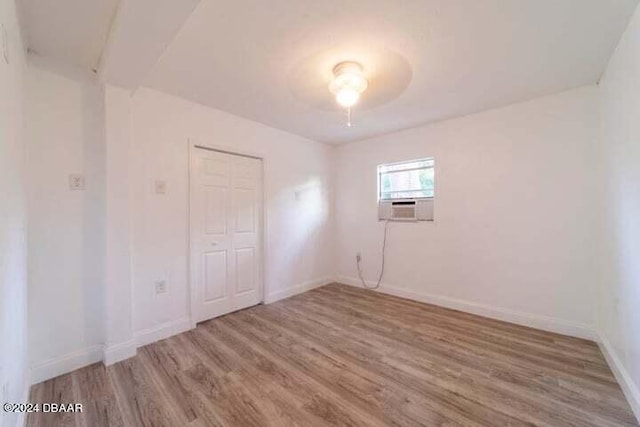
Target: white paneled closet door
<point x="226" y="248"/>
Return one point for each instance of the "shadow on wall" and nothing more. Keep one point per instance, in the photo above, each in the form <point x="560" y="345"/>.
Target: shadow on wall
<point x="303" y="211"/>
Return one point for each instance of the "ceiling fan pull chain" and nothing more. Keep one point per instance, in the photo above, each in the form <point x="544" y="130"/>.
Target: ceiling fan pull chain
<point x="349" y="117"/>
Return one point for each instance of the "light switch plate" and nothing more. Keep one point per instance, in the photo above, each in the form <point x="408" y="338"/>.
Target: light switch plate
<point x="76" y="182"/>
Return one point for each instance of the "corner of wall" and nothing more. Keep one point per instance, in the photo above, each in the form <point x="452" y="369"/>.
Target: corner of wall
<point x="629" y="388"/>
<point x="619" y="155"/>
<point x="559" y="326"/>
<point x="297" y="289"/>
<point x="14" y="352"/>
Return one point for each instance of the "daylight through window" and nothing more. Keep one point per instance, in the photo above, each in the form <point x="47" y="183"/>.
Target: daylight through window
<point x="406" y="180"/>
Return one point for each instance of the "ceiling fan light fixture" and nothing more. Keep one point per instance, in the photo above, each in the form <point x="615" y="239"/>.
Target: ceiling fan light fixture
<point x="347" y="84"/>
<point x="347" y="97"/>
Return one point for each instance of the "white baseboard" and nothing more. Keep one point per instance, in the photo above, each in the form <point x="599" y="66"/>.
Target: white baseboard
<point x="61" y="365"/>
<point x="162" y="331"/>
<point x="629" y="388"/>
<point x="108" y="354"/>
<point x="114" y="353"/>
<point x="550" y="324"/>
<point x="297" y="289"/>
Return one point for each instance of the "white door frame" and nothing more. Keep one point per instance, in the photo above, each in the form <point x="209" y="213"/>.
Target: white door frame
<point x="263" y="220"/>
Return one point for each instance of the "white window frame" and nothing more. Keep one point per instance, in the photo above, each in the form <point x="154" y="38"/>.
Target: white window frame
<point x="423" y="159"/>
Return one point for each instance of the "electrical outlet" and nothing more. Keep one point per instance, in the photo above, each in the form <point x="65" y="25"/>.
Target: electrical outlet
<point x="76" y="182"/>
<point x="358" y="257"/>
<point x="161" y="287"/>
<point x="160" y="187"/>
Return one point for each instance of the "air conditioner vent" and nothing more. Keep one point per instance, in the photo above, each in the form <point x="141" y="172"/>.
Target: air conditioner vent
<point x="406" y="210"/>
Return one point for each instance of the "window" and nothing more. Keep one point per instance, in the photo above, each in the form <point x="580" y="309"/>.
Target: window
<point x="406" y="180"/>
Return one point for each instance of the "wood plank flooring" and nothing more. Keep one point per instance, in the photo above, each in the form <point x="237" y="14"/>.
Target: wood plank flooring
<point x="343" y="356"/>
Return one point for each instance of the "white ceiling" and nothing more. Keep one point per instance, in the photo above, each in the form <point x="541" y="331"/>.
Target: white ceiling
<point x="70" y="31"/>
<point x="270" y="61"/>
<point x="120" y="39"/>
<point x="465" y="56"/>
<point x="141" y="31"/>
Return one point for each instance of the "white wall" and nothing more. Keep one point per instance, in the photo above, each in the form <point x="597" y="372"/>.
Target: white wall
<point x="13" y="277"/>
<point x="66" y="245"/>
<point x="118" y="296"/>
<point x="519" y="208"/>
<point x="298" y="232"/>
<point x="515" y="213"/>
<point x="88" y="292"/>
<point x="619" y="298"/>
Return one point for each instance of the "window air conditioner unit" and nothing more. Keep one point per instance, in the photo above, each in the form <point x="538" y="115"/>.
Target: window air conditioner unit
<point x="406" y="210"/>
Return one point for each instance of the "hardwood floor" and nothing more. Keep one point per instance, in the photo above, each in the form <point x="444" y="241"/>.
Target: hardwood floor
<point x="339" y="355"/>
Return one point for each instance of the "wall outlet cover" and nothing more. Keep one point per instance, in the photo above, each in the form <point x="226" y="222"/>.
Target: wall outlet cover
<point x="161" y="287"/>
<point x="76" y="182"/>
